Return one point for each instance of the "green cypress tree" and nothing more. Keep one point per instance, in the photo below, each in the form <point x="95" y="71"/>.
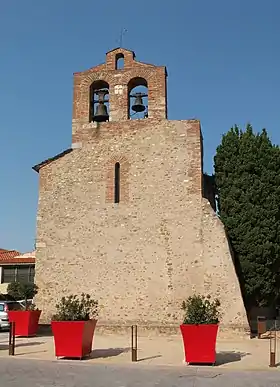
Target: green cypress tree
<point x="247" y="176"/>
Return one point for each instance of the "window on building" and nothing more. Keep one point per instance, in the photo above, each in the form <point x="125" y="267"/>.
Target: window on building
<point x="8" y="274"/>
<point x="23" y="274"/>
<point x="117" y="182"/>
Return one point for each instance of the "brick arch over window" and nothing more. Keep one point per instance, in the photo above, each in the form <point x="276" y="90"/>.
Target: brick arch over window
<point x="124" y="167"/>
<point x="137" y="72"/>
<point x="145" y="73"/>
<point x="95" y="76"/>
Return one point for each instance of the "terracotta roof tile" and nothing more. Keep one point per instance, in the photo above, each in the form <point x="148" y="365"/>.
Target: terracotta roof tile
<point x="12" y="257"/>
<point x="8" y="254"/>
<point x="12" y="261"/>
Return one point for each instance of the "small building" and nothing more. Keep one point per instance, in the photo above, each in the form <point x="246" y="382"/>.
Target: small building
<point x="15" y="266"/>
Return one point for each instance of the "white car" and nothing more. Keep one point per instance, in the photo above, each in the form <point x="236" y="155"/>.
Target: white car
<point x="5" y="306"/>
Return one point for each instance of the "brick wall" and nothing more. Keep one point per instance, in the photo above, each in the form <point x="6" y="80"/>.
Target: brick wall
<point x="120" y="83"/>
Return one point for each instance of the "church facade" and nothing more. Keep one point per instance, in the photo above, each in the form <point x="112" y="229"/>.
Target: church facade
<point x="126" y="213"/>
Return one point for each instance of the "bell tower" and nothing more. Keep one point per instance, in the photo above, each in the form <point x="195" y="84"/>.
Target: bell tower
<point x="121" y="214"/>
<point x="118" y="90"/>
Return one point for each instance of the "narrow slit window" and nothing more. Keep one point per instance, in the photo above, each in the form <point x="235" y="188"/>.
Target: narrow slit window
<point x="117" y="183"/>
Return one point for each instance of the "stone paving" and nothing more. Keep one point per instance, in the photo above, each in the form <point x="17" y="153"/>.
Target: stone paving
<point x="232" y="353"/>
<point x="17" y="372"/>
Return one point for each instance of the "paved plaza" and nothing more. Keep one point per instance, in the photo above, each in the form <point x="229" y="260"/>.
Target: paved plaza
<point x="26" y="373"/>
<point x="240" y="362"/>
<point x="232" y="352"/>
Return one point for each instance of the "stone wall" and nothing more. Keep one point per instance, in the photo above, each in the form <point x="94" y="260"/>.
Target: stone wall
<point x="142" y="257"/>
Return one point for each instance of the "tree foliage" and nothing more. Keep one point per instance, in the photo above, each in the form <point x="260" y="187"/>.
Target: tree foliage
<point x="247" y="176"/>
<point x="21" y="291"/>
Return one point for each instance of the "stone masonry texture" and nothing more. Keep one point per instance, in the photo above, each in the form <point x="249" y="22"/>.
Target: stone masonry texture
<point x="163" y="242"/>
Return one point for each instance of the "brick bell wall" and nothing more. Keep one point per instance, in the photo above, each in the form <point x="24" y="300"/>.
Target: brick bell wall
<point x="121" y="82"/>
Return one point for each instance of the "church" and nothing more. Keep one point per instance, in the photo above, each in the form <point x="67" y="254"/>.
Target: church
<point x="126" y="214"/>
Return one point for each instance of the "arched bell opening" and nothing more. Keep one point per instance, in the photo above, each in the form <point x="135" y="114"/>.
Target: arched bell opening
<point x="99" y="102"/>
<point x="137" y="99"/>
<point x="119" y="61"/>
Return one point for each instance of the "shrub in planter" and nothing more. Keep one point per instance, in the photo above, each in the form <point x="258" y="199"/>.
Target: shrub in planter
<point x="199" y="329"/>
<point x="73" y="326"/>
<point x="26" y="320"/>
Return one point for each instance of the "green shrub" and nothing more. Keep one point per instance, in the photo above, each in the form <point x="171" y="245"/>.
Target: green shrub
<point x="23" y="291"/>
<point x="72" y="308"/>
<point x="201" y="310"/>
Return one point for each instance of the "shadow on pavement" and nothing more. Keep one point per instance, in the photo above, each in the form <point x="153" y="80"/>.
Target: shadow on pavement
<point x="18" y="345"/>
<point x="108" y="352"/>
<point x="149" y="358"/>
<point x="225" y="357"/>
<point x="30" y="353"/>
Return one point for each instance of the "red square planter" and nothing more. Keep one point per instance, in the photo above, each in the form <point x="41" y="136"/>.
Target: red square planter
<point x="73" y="339"/>
<point x="200" y="343"/>
<point x="26" y="321"/>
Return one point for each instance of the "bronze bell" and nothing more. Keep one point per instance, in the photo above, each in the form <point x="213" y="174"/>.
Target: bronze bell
<point x="138" y="103"/>
<point x="101" y="113"/>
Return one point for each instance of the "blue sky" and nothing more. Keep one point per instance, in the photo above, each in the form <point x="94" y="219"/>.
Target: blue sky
<point x="223" y="60"/>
